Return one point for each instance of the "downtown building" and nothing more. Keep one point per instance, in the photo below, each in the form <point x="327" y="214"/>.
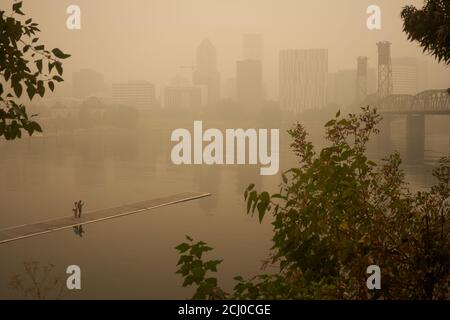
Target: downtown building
<point x="182" y="97"/>
<point x="409" y="75"/>
<point x="138" y="94"/>
<point x="303" y="78"/>
<point x="206" y="73"/>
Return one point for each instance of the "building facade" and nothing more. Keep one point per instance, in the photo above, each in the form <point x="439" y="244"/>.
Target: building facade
<point x="303" y="78"/>
<point x="139" y="94"/>
<point x="206" y="73"/>
<point x="182" y="97"/>
<point x="409" y="75"/>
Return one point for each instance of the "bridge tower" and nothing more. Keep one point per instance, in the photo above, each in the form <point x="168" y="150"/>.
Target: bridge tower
<point x="385" y="82"/>
<point x="361" y="79"/>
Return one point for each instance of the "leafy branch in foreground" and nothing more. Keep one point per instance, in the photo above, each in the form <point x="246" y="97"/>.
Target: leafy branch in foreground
<point x="25" y="65"/>
<point x="338" y="212"/>
<point x="430" y="27"/>
<point x="194" y="270"/>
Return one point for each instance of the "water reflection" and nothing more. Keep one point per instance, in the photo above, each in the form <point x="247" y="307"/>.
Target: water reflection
<point x="79" y="230"/>
<point x="112" y="168"/>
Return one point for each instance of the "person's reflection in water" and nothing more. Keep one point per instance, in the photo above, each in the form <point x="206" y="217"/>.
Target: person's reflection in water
<point x="79" y="230"/>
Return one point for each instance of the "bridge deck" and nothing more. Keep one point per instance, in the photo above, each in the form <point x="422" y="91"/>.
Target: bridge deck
<point x="47" y="226"/>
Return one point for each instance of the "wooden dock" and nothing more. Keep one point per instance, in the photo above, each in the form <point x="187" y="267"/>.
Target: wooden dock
<point x="47" y="226"/>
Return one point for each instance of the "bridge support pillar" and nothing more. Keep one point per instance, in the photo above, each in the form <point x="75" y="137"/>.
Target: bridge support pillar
<point x="415" y="138"/>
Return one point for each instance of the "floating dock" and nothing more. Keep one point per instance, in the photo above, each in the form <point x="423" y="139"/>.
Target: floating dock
<point x="47" y="226"/>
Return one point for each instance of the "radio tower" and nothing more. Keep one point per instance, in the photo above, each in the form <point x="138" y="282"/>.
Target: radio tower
<point x="385" y="84"/>
<point x="361" y="79"/>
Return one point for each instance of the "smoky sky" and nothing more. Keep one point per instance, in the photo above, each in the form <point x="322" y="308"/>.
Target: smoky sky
<point x="152" y="39"/>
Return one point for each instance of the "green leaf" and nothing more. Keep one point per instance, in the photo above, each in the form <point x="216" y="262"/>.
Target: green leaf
<point x="16" y="6"/>
<point x="58" y="78"/>
<point x="39" y="65"/>
<point x="59" y="67"/>
<point x="39" y="47"/>
<point x="31" y="91"/>
<point x="17" y="89"/>
<point x="183" y="247"/>
<point x="262" y="205"/>
<point x="51" y="85"/>
<point x="35" y="126"/>
<point x="59" y="54"/>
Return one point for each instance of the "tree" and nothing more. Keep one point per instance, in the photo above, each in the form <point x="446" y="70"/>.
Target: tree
<point x="430" y="26"/>
<point x="25" y="65"/>
<point x="337" y="213"/>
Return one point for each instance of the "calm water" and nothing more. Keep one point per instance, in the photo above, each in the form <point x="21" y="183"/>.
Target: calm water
<point x="134" y="256"/>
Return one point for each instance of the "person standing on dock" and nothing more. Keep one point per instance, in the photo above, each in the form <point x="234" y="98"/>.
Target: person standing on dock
<point x="75" y="209"/>
<point x="80" y="205"/>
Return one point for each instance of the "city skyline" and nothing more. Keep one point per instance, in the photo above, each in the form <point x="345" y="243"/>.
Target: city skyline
<point x="163" y="35"/>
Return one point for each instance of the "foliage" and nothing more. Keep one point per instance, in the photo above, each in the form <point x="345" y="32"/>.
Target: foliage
<point x="38" y="282"/>
<point x="194" y="270"/>
<point x="430" y="26"/>
<point x="25" y="65"/>
<point x="337" y="213"/>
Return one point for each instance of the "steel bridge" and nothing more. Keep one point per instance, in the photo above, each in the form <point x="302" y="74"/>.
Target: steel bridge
<point x="415" y="108"/>
<point x="426" y="102"/>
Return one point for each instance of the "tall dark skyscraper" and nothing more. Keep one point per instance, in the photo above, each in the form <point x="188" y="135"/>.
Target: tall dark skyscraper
<point x="206" y="73"/>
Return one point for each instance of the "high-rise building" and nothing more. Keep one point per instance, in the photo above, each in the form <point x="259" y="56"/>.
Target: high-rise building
<point x="252" y="47"/>
<point x="303" y="76"/>
<point x="206" y="73"/>
<point x="139" y="94"/>
<point x="249" y="88"/>
<point x="409" y="75"/>
<point x="182" y="97"/>
<point x="87" y="82"/>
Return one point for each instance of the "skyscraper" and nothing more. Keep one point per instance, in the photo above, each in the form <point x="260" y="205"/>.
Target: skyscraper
<point x="249" y="88"/>
<point x="206" y="73"/>
<point x="409" y="75"/>
<point x="303" y="79"/>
